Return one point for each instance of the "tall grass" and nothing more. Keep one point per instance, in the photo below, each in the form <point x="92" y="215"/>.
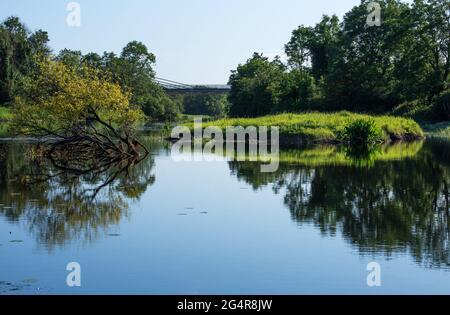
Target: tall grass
<point x="5" y="115"/>
<point x="325" y="127"/>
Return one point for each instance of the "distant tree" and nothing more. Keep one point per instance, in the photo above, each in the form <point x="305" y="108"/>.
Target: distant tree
<point x="256" y="87"/>
<point x="299" y="48"/>
<point x="312" y="47"/>
<point x="39" y="43"/>
<point x="300" y="92"/>
<point x="71" y="58"/>
<point x="133" y="70"/>
<point x="210" y="105"/>
<point x="362" y="70"/>
<point x="93" y="60"/>
<point x="424" y="66"/>
<point x="18" y="46"/>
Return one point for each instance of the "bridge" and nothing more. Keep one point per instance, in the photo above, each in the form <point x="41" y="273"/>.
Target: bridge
<point x="173" y="87"/>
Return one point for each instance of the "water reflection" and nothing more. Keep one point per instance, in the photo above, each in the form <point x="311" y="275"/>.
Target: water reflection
<point x="58" y="206"/>
<point x="395" y="202"/>
<point x="390" y="206"/>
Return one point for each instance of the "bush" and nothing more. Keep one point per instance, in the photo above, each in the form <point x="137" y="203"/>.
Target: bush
<point x="363" y="133"/>
<point x="209" y="105"/>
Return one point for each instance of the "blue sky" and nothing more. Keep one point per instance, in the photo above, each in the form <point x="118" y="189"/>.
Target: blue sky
<point x="195" y="41"/>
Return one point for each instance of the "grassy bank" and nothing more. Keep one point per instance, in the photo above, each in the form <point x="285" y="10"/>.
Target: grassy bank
<point x="5" y="115"/>
<point x="326" y="127"/>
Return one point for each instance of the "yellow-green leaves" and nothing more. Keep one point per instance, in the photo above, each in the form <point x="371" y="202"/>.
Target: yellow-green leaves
<point x="61" y="97"/>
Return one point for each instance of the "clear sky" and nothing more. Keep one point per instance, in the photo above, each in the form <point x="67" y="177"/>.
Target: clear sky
<point x="195" y="41"/>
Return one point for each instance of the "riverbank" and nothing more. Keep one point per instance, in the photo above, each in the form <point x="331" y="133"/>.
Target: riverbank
<point x="5" y="115"/>
<point x="296" y="129"/>
<point x="325" y="127"/>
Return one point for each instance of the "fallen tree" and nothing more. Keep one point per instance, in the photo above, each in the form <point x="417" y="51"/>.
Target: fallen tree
<point x="79" y="114"/>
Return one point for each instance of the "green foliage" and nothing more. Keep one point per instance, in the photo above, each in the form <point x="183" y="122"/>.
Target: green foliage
<point x="256" y="87"/>
<point x="209" y="105"/>
<point x="310" y="48"/>
<point x="324" y="127"/>
<point x="363" y="133"/>
<point x="21" y="50"/>
<point x="5" y="113"/>
<point x="62" y="99"/>
<point x="17" y="48"/>
<point x="299" y="92"/>
<point x="5" y="116"/>
<point x="133" y="70"/>
<point x="159" y="107"/>
<point x="352" y="66"/>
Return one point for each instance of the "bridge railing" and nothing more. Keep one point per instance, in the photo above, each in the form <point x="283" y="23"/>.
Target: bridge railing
<point x="177" y="87"/>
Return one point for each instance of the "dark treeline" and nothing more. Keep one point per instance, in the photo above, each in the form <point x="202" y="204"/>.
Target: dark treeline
<point x="132" y="69"/>
<point x="206" y="104"/>
<point x="400" y="67"/>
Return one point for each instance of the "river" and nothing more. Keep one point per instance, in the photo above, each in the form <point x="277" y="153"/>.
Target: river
<point x="223" y="227"/>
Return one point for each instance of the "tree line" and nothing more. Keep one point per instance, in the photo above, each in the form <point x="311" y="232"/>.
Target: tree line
<point x="132" y="69"/>
<point x="400" y="67"/>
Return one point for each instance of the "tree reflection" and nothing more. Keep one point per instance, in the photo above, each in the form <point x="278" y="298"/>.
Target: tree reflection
<point x="387" y="208"/>
<point x="59" y="203"/>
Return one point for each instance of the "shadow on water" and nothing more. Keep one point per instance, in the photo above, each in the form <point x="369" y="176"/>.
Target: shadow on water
<point x="397" y="201"/>
<point x="59" y="204"/>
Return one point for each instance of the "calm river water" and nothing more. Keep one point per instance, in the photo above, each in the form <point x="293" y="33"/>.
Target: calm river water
<point x="223" y="227"/>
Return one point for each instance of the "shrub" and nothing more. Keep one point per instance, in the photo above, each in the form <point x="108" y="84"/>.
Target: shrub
<point x="363" y="133"/>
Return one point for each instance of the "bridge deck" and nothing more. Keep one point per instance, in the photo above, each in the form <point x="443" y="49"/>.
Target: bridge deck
<point x="173" y="87"/>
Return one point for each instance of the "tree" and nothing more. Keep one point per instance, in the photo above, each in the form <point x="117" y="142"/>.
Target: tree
<point x="205" y="104"/>
<point x="299" y="92"/>
<point x="133" y="70"/>
<point x="298" y="49"/>
<point x="256" y="87"/>
<point x="80" y="112"/>
<point x="424" y="66"/>
<point x="310" y="48"/>
<point x="17" y="48"/>
<point x="71" y="58"/>
<point x="361" y="75"/>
